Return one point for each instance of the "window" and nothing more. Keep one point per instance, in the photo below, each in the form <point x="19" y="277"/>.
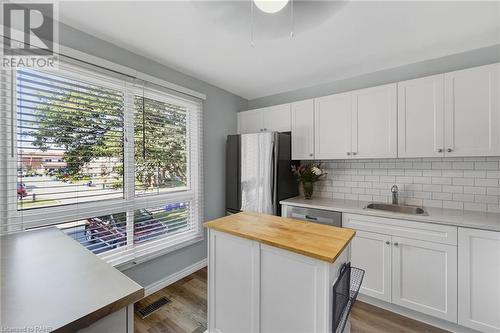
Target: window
<point x="155" y="222"/>
<point x="113" y="162"/>
<point x="60" y="118"/>
<point x="160" y="137"/>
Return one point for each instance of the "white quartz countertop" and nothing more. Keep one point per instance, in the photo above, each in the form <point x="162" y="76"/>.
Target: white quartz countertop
<point x="460" y="218"/>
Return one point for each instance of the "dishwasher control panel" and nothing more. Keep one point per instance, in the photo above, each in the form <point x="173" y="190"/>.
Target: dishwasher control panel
<point x="315" y="215"/>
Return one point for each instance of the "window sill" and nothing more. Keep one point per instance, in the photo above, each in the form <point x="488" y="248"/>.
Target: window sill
<point x="158" y="253"/>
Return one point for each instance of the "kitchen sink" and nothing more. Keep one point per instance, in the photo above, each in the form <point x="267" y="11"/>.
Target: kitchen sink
<point x="402" y="209"/>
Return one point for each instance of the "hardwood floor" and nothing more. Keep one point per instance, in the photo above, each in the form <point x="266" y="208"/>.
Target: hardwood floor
<point x="368" y="318"/>
<point x="187" y="312"/>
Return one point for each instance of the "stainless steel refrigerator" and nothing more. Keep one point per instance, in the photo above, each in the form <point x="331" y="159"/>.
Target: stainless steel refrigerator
<point x="258" y="172"/>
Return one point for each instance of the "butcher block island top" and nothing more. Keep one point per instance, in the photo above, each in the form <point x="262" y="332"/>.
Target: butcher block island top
<point x="314" y="240"/>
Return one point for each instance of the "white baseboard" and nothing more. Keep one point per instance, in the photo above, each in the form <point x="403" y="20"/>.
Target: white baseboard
<point x="154" y="287"/>
<point x="436" y="322"/>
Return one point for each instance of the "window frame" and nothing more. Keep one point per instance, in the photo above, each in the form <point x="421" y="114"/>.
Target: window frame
<point x="22" y="220"/>
<point x="147" y="92"/>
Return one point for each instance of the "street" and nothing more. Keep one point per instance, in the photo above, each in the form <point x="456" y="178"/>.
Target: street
<point x="48" y="191"/>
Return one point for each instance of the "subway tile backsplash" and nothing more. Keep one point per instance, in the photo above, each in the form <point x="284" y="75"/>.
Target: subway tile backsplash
<point x="470" y="183"/>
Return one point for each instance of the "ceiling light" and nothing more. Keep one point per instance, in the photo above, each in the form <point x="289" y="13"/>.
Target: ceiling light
<point x="270" y="6"/>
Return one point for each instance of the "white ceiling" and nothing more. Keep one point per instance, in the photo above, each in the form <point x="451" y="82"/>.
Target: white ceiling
<point x="211" y="40"/>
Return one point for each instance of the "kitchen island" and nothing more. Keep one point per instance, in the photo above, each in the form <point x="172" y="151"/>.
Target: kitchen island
<point x="273" y="274"/>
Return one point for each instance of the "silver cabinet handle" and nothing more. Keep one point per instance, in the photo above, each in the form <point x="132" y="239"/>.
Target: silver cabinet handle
<point x="348" y="154"/>
<point x="387" y="242"/>
<point x="440" y="150"/>
<point x="449" y="150"/>
<point x="396" y="244"/>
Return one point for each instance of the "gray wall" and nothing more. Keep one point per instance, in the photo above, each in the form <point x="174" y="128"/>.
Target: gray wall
<point x="219" y="119"/>
<point x="478" y="57"/>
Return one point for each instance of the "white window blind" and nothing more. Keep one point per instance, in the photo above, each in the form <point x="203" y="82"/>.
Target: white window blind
<point x="160" y="139"/>
<point x="112" y="161"/>
<point x="69" y="140"/>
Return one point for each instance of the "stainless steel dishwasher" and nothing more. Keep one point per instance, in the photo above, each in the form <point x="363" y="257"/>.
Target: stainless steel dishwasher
<point x="315" y="215"/>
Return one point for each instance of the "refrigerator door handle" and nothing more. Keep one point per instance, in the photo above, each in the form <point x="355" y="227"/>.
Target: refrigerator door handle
<point x="275" y="173"/>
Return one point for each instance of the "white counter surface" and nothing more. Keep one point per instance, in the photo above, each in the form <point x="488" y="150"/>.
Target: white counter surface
<point x="49" y="282"/>
<point x="460" y="218"/>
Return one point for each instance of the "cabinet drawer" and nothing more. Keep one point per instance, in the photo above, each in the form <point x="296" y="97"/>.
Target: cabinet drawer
<point x="410" y="229"/>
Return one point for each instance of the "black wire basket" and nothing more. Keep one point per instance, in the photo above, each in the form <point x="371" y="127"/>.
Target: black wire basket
<point x="345" y="292"/>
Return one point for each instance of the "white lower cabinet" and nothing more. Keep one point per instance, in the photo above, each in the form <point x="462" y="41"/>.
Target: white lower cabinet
<point x="424" y="277"/>
<point x="479" y="279"/>
<point x="405" y="265"/>
<point x="372" y="252"/>
<point x="256" y="288"/>
<point x="229" y="287"/>
<point x="121" y="321"/>
<point x="282" y="295"/>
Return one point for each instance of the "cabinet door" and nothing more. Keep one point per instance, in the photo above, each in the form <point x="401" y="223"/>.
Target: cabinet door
<point x="277" y="118"/>
<point x="424" y="277"/>
<point x="303" y="130"/>
<point x="115" y="322"/>
<point x="233" y="294"/>
<point x="421" y="117"/>
<point x="374" y="122"/>
<point x="250" y="122"/>
<point x="372" y="252"/>
<point x="479" y="279"/>
<point x="472" y="111"/>
<point x="332" y="126"/>
<point x="293" y="289"/>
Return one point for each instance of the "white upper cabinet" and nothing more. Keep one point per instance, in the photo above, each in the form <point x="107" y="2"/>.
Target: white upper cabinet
<point x="472" y="111"/>
<point x="421" y="117"/>
<point x="332" y="126"/>
<point x="451" y="114"/>
<point x="250" y="121"/>
<point x="271" y="119"/>
<point x="303" y="130"/>
<point x="374" y="122"/>
<point x="277" y="118"/>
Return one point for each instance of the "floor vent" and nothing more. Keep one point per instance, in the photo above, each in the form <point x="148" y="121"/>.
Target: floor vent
<point x="149" y="309"/>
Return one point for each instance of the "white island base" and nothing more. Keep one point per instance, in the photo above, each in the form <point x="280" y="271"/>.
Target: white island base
<point x="253" y="287"/>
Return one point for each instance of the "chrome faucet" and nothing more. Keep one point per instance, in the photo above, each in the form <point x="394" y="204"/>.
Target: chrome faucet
<point x="394" y="190"/>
